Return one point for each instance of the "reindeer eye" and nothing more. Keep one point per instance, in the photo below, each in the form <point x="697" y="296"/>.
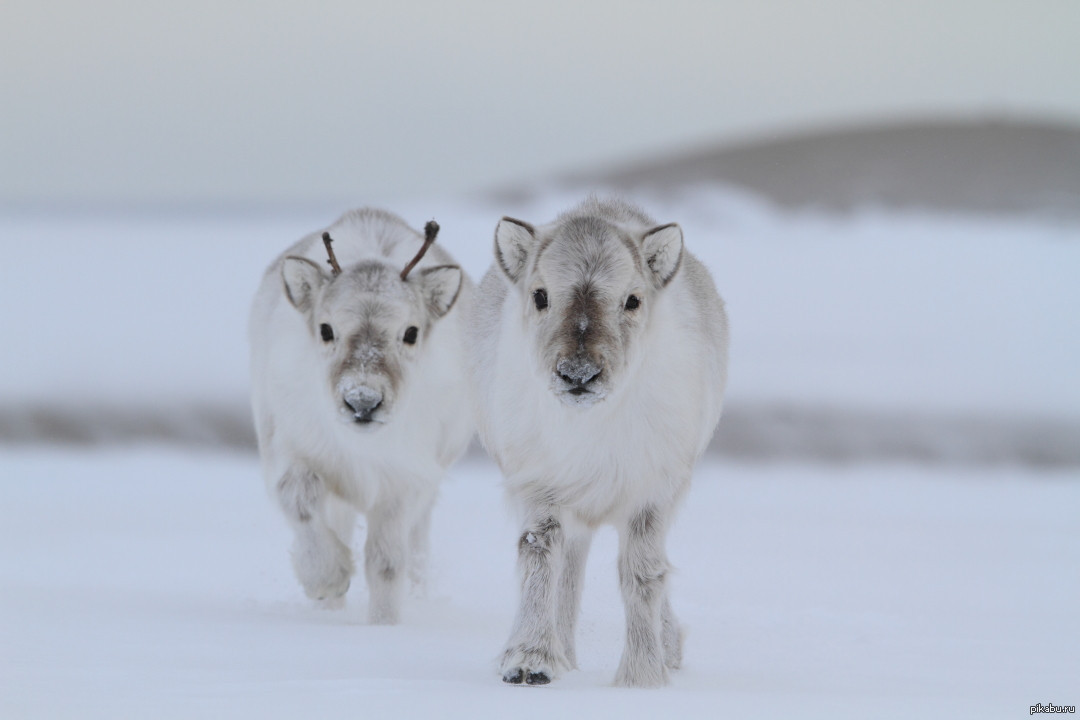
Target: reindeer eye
<point x="632" y="302"/>
<point x="540" y="298"/>
<point x="410" y="335"/>
<point x="327" y="332"/>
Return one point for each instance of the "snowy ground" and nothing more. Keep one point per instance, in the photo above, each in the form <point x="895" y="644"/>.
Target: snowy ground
<point x="155" y="583"/>
<point x="871" y="314"/>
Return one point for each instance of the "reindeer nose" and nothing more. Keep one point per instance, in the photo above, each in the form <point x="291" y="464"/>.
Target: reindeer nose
<point x="363" y="401"/>
<point x="578" y="372"/>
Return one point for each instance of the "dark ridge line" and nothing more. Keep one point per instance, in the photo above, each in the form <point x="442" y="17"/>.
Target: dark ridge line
<point x="759" y="433"/>
<point x="996" y="166"/>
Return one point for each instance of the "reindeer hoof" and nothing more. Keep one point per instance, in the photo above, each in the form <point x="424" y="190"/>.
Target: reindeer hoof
<point x="333" y="595"/>
<point x="530" y="665"/>
<point x="537" y="678"/>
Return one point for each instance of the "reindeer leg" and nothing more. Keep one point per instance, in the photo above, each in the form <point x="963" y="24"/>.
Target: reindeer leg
<point x="533" y="653"/>
<point x="576" y="552"/>
<point x="419" y="544"/>
<point x="322" y="562"/>
<point x="386" y="561"/>
<point x="672" y="635"/>
<point x="643" y="569"/>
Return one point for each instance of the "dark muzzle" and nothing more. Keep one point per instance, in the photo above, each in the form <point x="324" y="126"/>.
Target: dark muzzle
<point x="578" y="373"/>
<point x="363" y="401"/>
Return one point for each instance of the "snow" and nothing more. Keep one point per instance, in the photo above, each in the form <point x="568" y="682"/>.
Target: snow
<point x="876" y="310"/>
<point x="156" y="583"/>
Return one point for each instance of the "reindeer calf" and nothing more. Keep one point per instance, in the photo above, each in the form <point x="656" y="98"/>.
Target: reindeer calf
<point x="599" y="361"/>
<point x="358" y="398"/>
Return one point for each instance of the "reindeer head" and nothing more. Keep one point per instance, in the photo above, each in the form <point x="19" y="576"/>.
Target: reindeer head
<point x="370" y="323"/>
<point x="587" y="287"/>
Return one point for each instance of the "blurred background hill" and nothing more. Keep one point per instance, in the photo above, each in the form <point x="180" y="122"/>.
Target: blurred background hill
<point x="991" y="166"/>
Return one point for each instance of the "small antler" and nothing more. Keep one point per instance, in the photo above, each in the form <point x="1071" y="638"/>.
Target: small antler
<point x="430" y="231"/>
<point x="330" y="251"/>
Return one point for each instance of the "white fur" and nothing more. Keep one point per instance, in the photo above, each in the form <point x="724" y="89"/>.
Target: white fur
<point x="322" y="466"/>
<point x="622" y="458"/>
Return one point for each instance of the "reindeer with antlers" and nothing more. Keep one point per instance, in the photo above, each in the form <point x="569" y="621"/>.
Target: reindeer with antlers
<point x="359" y="399"/>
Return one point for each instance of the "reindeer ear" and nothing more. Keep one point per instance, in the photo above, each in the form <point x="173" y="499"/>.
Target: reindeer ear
<point x="663" y="247"/>
<point x="302" y="278"/>
<point x="441" y="286"/>
<point x="514" y="240"/>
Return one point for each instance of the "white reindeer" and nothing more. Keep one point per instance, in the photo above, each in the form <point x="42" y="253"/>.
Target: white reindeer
<point x="598" y="360"/>
<point x="359" y="398"/>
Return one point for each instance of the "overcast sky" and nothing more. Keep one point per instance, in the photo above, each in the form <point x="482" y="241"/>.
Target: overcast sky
<point x="361" y="101"/>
